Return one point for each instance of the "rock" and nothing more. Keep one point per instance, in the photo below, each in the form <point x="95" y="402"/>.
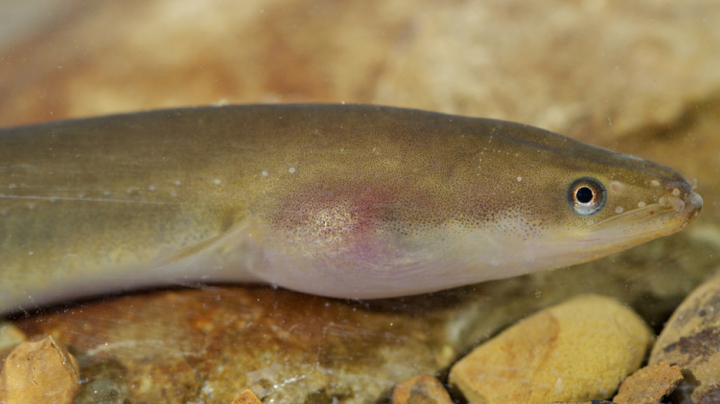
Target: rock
<point x="649" y="385"/>
<point x="247" y="397"/>
<point x="581" y="349"/>
<point x="601" y="75"/>
<point x="205" y="345"/>
<point x="584" y="402"/>
<point x="691" y="340"/>
<point x="39" y="372"/>
<point x="423" y="389"/>
<point x="10" y="335"/>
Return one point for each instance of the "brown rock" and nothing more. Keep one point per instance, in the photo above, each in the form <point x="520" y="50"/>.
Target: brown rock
<point x="584" y="402"/>
<point x="423" y="389"/>
<point x="205" y="345"/>
<point x="649" y="385"/>
<point x="40" y="372"/>
<point x="10" y="335"/>
<point x="691" y="340"/>
<point x="247" y="397"/>
<point x="581" y="349"/>
<point x="610" y="74"/>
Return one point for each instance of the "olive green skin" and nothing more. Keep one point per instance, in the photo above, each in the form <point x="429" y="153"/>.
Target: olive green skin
<point x="351" y="201"/>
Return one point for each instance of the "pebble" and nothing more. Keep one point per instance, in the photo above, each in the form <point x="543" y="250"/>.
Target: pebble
<point x="649" y="385"/>
<point x="422" y="389"/>
<point x="584" y="402"/>
<point x="691" y="340"/>
<point x="39" y="373"/>
<point x="576" y="351"/>
<point x="10" y="335"/>
<point x="247" y="397"/>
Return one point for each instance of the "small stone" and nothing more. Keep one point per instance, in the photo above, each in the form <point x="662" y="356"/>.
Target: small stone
<point x="39" y="372"/>
<point x="584" y="402"/>
<point x="579" y="350"/>
<point x="691" y="340"/>
<point x="10" y="335"/>
<point x="649" y="385"/>
<point x="247" y="397"/>
<point x="423" y="389"/>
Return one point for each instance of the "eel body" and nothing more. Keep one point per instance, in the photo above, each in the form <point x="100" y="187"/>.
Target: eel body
<point x="349" y="201"/>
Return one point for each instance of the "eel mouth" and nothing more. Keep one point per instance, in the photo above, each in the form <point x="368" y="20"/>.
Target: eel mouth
<point x="670" y="214"/>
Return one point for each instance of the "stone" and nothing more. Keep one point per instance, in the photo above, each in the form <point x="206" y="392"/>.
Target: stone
<point x="422" y="389"/>
<point x="581" y="349"/>
<point x="649" y="385"/>
<point x="691" y="340"/>
<point x="39" y="372"/>
<point x="206" y="345"/>
<point x="10" y="335"/>
<point x="247" y="397"/>
<point x="584" y="402"/>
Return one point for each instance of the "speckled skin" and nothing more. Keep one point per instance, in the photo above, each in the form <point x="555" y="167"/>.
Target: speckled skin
<point x="339" y="200"/>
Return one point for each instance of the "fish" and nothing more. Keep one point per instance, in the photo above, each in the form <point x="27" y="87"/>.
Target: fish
<point x="345" y="201"/>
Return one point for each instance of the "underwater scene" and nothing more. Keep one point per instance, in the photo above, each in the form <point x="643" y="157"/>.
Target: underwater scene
<point x="359" y="202"/>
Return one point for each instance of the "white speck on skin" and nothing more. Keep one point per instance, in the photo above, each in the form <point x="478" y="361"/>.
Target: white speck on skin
<point x="519" y="179"/>
<point x="264" y="173"/>
<point x="616" y="186"/>
<point x="177" y="182"/>
<point x="676" y="192"/>
<point x="106" y="193"/>
<point x="641" y="204"/>
<point x="30" y="253"/>
<point x="31" y="206"/>
<point x="151" y="187"/>
<point x="292" y="170"/>
<point x="619" y="209"/>
<point x="217" y="181"/>
<point x="11" y="186"/>
<point x="655" y="183"/>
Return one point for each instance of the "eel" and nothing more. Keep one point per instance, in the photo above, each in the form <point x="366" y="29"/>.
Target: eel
<point x="345" y="201"/>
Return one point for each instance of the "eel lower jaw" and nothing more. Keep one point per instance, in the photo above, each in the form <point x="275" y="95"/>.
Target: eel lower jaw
<point x="669" y="215"/>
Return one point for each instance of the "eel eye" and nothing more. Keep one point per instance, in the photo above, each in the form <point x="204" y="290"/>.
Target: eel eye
<point x="587" y="196"/>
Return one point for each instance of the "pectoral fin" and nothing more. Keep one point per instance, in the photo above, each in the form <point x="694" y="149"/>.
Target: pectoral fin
<point x="186" y="256"/>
